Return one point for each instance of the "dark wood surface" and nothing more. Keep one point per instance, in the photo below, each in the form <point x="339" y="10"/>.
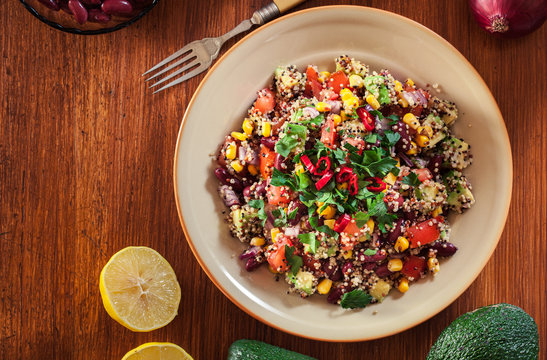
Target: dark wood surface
<point x="86" y="158"/>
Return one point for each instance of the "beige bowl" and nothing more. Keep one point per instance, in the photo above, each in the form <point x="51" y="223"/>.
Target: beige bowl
<point x="316" y="36"/>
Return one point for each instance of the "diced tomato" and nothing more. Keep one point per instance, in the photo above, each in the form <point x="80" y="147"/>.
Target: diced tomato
<point x="423" y="174"/>
<point x="265" y="101"/>
<point x="327" y="94"/>
<point x="267" y="160"/>
<point x="424" y="232"/>
<point x="277" y="258"/>
<point x="351" y="229"/>
<point x="337" y="81"/>
<point x="328" y="133"/>
<point x="417" y="110"/>
<point x="313" y="86"/>
<point x="413" y="267"/>
<point x="278" y="195"/>
<point x="357" y="142"/>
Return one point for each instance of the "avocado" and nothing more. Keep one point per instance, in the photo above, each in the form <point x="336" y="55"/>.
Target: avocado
<point x="257" y="350"/>
<point x="303" y="281"/>
<point x="460" y="196"/>
<point x="494" y="332"/>
<point x="380" y="290"/>
<point x="457" y="153"/>
<point x="439" y="130"/>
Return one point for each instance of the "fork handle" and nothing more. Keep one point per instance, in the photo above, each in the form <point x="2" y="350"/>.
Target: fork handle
<point x="284" y="5"/>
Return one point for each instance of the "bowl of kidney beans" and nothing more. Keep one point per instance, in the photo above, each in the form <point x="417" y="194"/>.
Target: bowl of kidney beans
<point x="89" y="17"/>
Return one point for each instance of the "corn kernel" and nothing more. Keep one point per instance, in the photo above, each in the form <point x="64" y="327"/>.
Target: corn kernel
<point x="433" y="265"/>
<point x="351" y="103"/>
<point x="324" y="286"/>
<point x="356" y="81"/>
<point x="231" y="151"/>
<point x="257" y="241"/>
<point x="370" y="224"/>
<point x="288" y="81"/>
<point x="328" y="212"/>
<point x="390" y="179"/>
<point x="337" y="119"/>
<point x="403" y="285"/>
<point x="274" y="232"/>
<point x="248" y="127"/>
<point x="343" y="115"/>
<point x="348" y="254"/>
<point x="401" y="244"/>
<point x="298" y="169"/>
<point x="422" y="140"/>
<point x="322" y="106"/>
<point x="411" y="121"/>
<point x="342" y="186"/>
<point x="239" y="136"/>
<point x="395" y="265"/>
<point x="323" y="75"/>
<point x="252" y="170"/>
<point x="330" y="223"/>
<point x="345" y="94"/>
<point x="236" y="165"/>
<point x="438" y="211"/>
<point x="425" y="130"/>
<point x="403" y="102"/>
<point x="371" y="100"/>
<point x="409" y="82"/>
<point x="398" y="86"/>
<point x="266" y="129"/>
<point x="413" y="149"/>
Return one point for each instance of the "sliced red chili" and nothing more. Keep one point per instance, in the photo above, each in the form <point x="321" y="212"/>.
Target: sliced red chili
<point x="366" y="118"/>
<point x="324" y="180"/>
<point x="341" y="223"/>
<point x="353" y="187"/>
<point x="307" y="163"/>
<point x="326" y="161"/>
<point x="377" y="185"/>
<point x="344" y="174"/>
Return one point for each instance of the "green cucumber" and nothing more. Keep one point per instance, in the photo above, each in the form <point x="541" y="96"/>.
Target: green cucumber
<point x="257" y="350"/>
<point x="495" y="332"/>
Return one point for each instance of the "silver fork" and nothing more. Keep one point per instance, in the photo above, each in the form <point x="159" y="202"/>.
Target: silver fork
<point x="198" y="56"/>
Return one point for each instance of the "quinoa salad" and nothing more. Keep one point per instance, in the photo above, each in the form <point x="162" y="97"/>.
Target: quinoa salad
<point x="340" y="183"/>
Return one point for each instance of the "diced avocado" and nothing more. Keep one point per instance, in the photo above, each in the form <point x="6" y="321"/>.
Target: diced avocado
<point x="279" y="71"/>
<point x="303" y="281"/>
<point x="439" y="130"/>
<point x="447" y="109"/>
<point x="237" y="218"/>
<point x="257" y="350"/>
<point x="457" y="153"/>
<point x="380" y="290"/>
<point x="500" y="331"/>
<point x="460" y="197"/>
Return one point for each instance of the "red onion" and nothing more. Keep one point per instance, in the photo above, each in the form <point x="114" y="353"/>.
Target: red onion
<point x="509" y="18"/>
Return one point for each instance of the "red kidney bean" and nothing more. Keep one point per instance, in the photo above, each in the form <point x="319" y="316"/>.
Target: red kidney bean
<point x="395" y="232"/>
<point x="301" y="210"/>
<point x="247" y="193"/>
<point x="410" y="215"/>
<point x="268" y="142"/>
<point x="434" y="164"/>
<point x="91" y="2"/>
<point x="279" y="163"/>
<point x="251" y="252"/>
<point x="445" y="248"/>
<point x="52" y="4"/>
<point x="334" y="295"/>
<point x="347" y="268"/>
<point x="253" y="263"/>
<point x="225" y="178"/>
<point x="382" y="271"/>
<point x="379" y="256"/>
<point x="332" y="271"/>
<point x="260" y="189"/>
<point x="117" y="7"/>
<point x="228" y="195"/>
<point x="96" y="15"/>
<point x="79" y="11"/>
<point x="392" y="109"/>
<point x="403" y="145"/>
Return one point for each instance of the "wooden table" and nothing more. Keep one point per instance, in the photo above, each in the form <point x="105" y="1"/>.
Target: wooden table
<point x="86" y="158"/>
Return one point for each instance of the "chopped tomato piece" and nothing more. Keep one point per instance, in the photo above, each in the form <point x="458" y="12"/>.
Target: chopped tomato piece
<point x="413" y="267"/>
<point x="328" y="133"/>
<point x="265" y="101"/>
<point x="278" y="195"/>
<point x="351" y="229"/>
<point x="267" y="160"/>
<point x="357" y="142"/>
<point x="337" y="81"/>
<point x="424" y="232"/>
<point x="312" y="82"/>
<point x="423" y="174"/>
<point x="277" y="258"/>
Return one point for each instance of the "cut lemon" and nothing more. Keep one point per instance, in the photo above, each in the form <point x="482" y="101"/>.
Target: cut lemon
<point x="157" y="351"/>
<point x="140" y="289"/>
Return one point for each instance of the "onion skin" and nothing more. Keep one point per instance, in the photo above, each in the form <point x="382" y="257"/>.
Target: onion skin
<point x="509" y="18"/>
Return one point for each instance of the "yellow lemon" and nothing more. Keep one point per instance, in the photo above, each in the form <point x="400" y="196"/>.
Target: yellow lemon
<point x="140" y="289"/>
<point x="157" y="351"/>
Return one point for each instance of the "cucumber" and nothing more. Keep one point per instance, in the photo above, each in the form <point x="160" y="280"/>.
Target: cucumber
<point x="495" y="332"/>
<point x="257" y="350"/>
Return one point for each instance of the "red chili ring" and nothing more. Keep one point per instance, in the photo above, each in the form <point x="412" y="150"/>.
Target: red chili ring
<point x="341" y="223"/>
<point x="307" y="163"/>
<point x="366" y="118"/>
<point x="324" y="180"/>
<point x="377" y="184"/>
<point x="353" y="187"/>
<point x="344" y="174"/>
<point x="326" y="160"/>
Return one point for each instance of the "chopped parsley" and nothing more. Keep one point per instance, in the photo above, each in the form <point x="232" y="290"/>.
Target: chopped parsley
<point x="281" y="179"/>
<point x="355" y="299"/>
<point x="294" y="261"/>
<point x="294" y="136"/>
<point x="309" y="238"/>
<point x="259" y="204"/>
<point x="412" y="180"/>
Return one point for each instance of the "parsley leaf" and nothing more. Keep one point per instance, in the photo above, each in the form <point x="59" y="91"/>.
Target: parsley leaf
<point x="294" y="261"/>
<point x="370" y="252"/>
<point x="314" y="222"/>
<point x="295" y="134"/>
<point x="316" y="121"/>
<point x="383" y="98"/>
<point x="381" y="167"/>
<point x="309" y="238"/>
<point x="390" y="138"/>
<point x="281" y="179"/>
<point x="259" y="204"/>
<point x="297" y="115"/>
<point x="412" y="180"/>
<point x="280" y="217"/>
<point x="361" y="219"/>
<point x="371" y="138"/>
<point x="292" y="214"/>
<point x="355" y="299"/>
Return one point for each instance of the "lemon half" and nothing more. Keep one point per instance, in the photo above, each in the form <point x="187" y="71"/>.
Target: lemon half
<point x="157" y="351"/>
<point x="140" y="289"/>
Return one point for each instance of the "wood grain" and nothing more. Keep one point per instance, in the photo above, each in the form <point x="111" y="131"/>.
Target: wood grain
<point x="86" y="169"/>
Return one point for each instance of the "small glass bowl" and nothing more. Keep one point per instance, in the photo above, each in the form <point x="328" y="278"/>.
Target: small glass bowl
<point x="65" y="21"/>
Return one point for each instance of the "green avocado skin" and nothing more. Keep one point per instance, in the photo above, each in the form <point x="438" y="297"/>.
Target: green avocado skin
<point x="494" y="332"/>
<point x="257" y="350"/>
